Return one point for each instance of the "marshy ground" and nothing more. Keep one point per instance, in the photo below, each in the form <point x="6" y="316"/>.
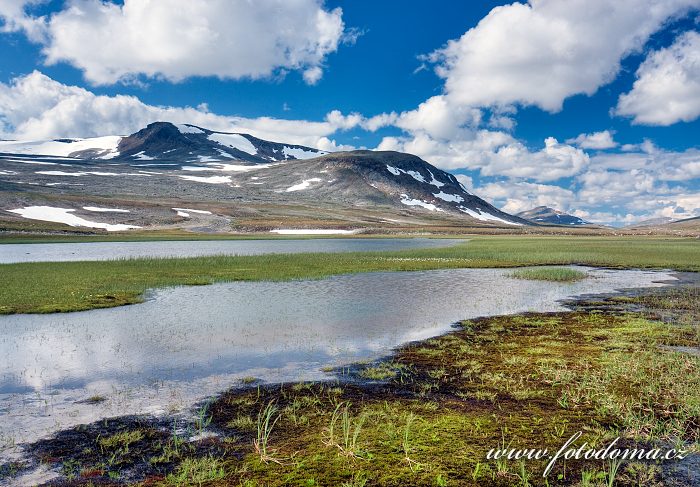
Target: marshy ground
<point x="49" y="287"/>
<point x="429" y="414"/>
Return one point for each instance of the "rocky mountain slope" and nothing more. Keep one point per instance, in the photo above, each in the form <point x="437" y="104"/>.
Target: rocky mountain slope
<point x="224" y="179"/>
<point x="164" y="140"/>
<point x="545" y="215"/>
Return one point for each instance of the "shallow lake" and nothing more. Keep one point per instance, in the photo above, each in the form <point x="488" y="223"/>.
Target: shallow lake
<point x="62" y="252"/>
<point x="188" y="343"/>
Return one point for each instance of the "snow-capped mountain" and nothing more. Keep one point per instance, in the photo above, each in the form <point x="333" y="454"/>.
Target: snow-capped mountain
<point x="545" y="215"/>
<point x="164" y="140"/>
<point x="237" y="177"/>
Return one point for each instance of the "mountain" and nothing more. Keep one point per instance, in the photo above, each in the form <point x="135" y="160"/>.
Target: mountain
<point x="164" y="140"/>
<point x="549" y="216"/>
<point x="652" y="222"/>
<point x="184" y="176"/>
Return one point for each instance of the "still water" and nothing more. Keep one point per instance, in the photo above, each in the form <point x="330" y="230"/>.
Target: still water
<point x="188" y="343"/>
<point x="62" y="252"/>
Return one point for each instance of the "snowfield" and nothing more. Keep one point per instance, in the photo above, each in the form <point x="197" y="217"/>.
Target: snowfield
<point x="65" y="215"/>
<point x="207" y="179"/>
<point x="449" y="197"/>
<point x="234" y="141"/>
<point x="300" y="153"/>
<point x="294" y="231"/>
<point x="188" y="129"/>
<point x="105" y="210"/>
<point x="185" y="212"/>
<point x="303" y="185"/>
<point x="411" y="202"/>
<point x="64" y="147"/>
<point x="484" y="216"/>
<point x="88" y="173"/>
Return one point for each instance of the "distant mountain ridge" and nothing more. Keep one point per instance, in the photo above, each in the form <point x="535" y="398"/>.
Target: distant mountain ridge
<point x="550" y="216"/>
<point x="165" y="161"/>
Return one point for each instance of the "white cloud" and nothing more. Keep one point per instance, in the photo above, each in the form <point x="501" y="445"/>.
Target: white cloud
<point x="14" y="17"/>
<point x="435" y="117"/>
<point x="494" y="154"/>
<point x="667" y="89"/>
<point x="37" y="107"/>
<point x="517" y="196"/>
<point x="177" y="39"/>
<point x="313" y="75"/>
<point x="660" y="164"/>
<point x="595" y="140"/>
<point x="438" y="118"/>
<point x="542" y="52"/>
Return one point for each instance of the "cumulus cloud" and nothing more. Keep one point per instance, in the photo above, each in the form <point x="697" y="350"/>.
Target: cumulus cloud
<point x="494" y="153"/>
<point x="14" y="17"/>
<point x="544" y="51"/>
<point x="37" y="107"/>
<point x="595" y="140"/>
<point x="177" y="39"/>
<point x="662" y="165"/>
<point x="516" y="196"/>
<point x="667" y="88"/>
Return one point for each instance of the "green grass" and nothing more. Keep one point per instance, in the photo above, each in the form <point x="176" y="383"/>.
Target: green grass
<point x="554" y="274"/>
<point x="73" y="286"/>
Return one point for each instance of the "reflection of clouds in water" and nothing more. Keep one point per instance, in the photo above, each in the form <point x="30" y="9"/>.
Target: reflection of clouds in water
<point x="193" y="341"/>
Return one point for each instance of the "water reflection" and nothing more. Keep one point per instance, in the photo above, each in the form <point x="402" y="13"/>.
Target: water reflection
<point x="190" y="342"/>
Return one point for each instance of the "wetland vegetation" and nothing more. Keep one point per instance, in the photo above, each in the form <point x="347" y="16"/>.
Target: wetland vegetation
<point x="554" y="274"/>
<point x="429" y="414"/>
<point x="73" y="286"/>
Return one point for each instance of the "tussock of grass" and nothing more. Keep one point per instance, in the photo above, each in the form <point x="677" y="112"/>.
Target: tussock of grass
<point x="74" y="286"/>
<point x="554" y="274"/>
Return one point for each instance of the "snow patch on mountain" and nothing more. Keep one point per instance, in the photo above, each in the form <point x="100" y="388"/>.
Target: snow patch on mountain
<point x="297" y="153"/>
<point x="303" y="185"/>
<point x="189" y="129"/>
<point x="105" y="147"/>
<point x="99" y="209"/>
<point x="234" y="141"/>
<point x="141" y="156"/>
<point x="207" y="179"/>
<point x="449" y="197"/>
<point x="485" y="216"/>
<point x="65" y="215"/>
<point x="434" y="181"/>
<point x="413" y="202"/>
<point x="312" y="231"/>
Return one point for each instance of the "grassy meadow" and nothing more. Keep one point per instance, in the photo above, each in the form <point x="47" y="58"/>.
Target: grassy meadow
<point x="74" y="286"/>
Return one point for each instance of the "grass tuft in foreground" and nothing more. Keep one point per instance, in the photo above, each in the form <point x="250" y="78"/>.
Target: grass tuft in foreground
<point x="554" y="274"/>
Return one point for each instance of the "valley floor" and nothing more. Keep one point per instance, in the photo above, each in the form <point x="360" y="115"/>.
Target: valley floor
<point x="623" y="367"/>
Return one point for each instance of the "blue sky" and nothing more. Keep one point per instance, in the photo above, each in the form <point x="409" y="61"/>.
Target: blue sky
<point x="503" y="96"/>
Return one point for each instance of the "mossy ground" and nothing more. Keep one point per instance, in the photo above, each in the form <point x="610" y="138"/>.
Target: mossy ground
<point x="430" y="413"/>
<point x="51" y="287"/>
